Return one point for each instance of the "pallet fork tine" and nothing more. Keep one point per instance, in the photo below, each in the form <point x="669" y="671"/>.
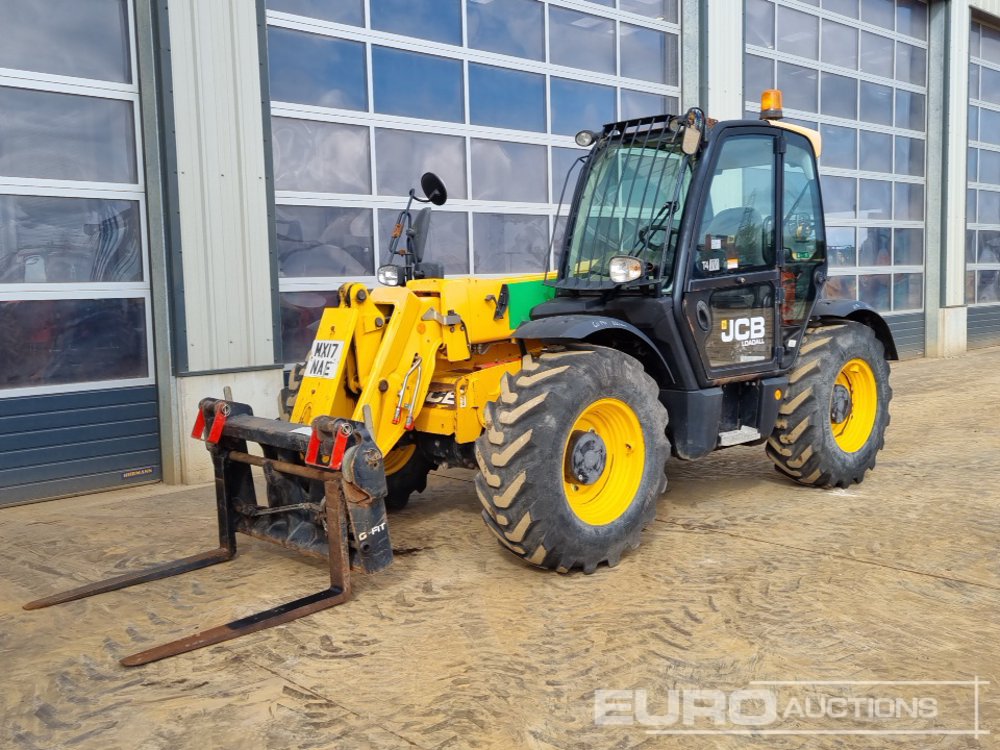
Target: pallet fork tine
<point x="356" y="511"/>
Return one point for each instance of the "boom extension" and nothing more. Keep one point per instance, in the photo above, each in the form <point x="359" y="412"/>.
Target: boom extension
<point x="317" y="510"/>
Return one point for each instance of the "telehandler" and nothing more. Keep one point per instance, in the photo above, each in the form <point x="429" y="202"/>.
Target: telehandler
<point x="685" y="316"/>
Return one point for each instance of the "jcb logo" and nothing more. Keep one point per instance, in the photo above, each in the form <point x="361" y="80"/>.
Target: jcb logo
<point x="743" y="329"/>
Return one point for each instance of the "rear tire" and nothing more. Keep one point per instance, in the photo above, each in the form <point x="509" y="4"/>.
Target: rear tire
<point x="540" y="441"/>
<point x="832" y="423"/>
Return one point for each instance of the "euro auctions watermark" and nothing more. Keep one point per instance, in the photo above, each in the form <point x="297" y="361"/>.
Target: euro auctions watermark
<point x="800" y="707"/>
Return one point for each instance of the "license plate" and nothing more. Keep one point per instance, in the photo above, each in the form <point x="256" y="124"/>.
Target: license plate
<point x="324" y="359"/>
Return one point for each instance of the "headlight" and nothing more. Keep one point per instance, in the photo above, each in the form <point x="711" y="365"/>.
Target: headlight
<point x="585" y="139"/>
<point x="388" y="275"/>
<point x="624" y="268"/>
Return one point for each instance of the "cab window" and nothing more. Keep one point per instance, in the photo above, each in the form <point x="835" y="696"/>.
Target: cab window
<point x="736" y="232"/>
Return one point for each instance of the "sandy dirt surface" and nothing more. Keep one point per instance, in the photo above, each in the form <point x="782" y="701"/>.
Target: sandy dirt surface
<point x="743" y="577"/>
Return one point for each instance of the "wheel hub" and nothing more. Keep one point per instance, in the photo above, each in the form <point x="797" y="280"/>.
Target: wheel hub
<point x="586" y="458"/>
<point x="840" y="404"/>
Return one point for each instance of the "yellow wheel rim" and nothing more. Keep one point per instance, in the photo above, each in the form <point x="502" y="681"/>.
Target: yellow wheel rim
<point x="856" y="425"/>
<point x="610" y="495"/>
<point x="398" y="458"/>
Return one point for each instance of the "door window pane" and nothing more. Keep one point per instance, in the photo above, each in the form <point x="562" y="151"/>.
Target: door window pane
<point x="582" y="41"/>
<point x="317" y="70"/>
<point x="576" y="105"/>
<point x="876" y="103"/>
<point x="989" y="207"/>
<point x="300" y="316"/>
<point x="839" y="198"/>
<point x="342" y="11"/>
<point x="731" y="237"/>
<point x="972" y="163"/>
<point x="841" y="287"/>
<point x="989" y="167"/>
<point x="875" y="290"/>
<point x="45" y="240"/>
<point x="504" y="171"/>
<point x="512" y="27"/>
<point x="509" y="243"/>
<point x="989" y="126"/>
<point x="990" y="44"/>
<point x="759" y="23"/>
<point x="875" y="199"/>
<point x="758" y="76"/>
<point x="649" y="55"/>
<point x="909" y="110"/>
<point x="840" y="147"/>
<point x="879" y="12"/>
<point x="876" y="54"/>
<point x="911" y="18"/>
<point x="67" y="37"/>
<point x="799" y="87"/>
<point x="911" y="64"/>
<point x="990" y="86"/>
<point x="66" y="136"/>
<point x="973" y="81"/>
<point x="840" y="96"/>
<point x="324" y="241"/>
<point x="54" y="342"/>
<point x="841" y="247"/>
<point x="563" y="160"/>
<point x="907" y="291"/>
<point x="840" y="45"/>
<point x="320" y="157"/>
<point x="437" y="20"/>
<point x="403" y="156"/>
<point x="909" y="156"/>
<point x="909" y="201"/>
<point x="447" y="243"/>
<point x="876" y="246"/>
<point x="416" y="85"/>
<point x="973" y="123"/>
<point x="908" y="247"/>
<point x="798" y="33"/>
<point x="505" y="98"/>
<point x="876" y="152"/>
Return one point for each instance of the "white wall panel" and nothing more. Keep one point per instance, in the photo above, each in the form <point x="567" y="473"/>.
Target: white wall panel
<point x="221" y="181"/>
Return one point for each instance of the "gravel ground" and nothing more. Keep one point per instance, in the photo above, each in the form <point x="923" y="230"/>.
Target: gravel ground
<point x="743" y="577"/>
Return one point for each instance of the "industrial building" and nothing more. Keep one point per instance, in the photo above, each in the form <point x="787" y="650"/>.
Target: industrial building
<point x="183" y="185"/>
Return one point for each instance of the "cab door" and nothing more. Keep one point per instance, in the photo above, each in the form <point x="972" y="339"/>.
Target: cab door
<point x="733" y="277"/>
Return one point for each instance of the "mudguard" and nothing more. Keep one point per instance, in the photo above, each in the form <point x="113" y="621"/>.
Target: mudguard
<point x="565" y="328"/>
<point x="827" y="309"/>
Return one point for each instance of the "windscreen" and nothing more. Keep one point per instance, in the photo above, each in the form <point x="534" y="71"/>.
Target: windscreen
<point x="631" y="204"/>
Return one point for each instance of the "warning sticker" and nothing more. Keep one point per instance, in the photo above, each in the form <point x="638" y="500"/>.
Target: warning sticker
<point x="324" y="359"/>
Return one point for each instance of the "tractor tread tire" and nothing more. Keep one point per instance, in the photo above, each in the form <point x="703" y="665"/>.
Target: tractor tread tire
<point x="802" y="445"/>
<point x="412" y="477"/>
<point x="521" y="452"/>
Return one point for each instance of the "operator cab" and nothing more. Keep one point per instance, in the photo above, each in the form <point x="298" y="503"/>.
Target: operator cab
<point x="722" y="223"/>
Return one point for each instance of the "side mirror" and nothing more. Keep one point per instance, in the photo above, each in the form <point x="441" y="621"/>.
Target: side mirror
<point x="433" y="188"/>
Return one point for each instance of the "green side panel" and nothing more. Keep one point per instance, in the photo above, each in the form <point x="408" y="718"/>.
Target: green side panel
<point x="522" y="298"/>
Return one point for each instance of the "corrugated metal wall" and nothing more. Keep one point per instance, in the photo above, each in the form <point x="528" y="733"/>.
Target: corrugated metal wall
<point x="77" y="442"/>
<point x="984" y="326"/>
<point x="908" y="331"/>
<point x="226" y="263"/>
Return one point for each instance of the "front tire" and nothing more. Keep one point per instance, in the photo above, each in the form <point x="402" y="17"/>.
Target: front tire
<point x="832" y="423"/>
<point x="572" y="458"/>
<point x="406" y="470"/>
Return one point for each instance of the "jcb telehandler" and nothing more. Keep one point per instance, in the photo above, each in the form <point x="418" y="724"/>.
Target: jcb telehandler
<point x="685" y="316"/>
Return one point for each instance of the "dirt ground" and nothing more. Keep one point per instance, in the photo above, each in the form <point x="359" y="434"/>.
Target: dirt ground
<point x="743" y="577"/>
